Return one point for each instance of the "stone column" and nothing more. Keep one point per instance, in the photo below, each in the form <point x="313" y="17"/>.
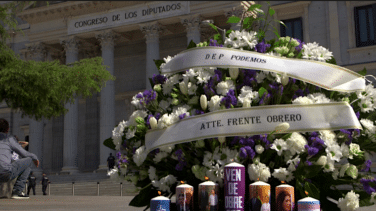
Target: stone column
<point x="37" y="53"/>
<point x="151" y="31"/>
<point x="70" y="156"/>
<point x="235" y="11"/>
<point x="107" y="98"/>
<point x="192" y="25"/>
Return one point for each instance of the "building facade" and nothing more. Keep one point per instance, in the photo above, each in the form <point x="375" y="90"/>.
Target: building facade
<point x="128" y="35"/>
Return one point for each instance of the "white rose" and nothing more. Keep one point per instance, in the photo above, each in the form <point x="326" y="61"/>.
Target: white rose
<point x="214" y="103"/>
<point x="203" y="102"/>
<point x="221" y="139"/>
<point x="153" y="122"/>
<point x="234" y="73"/>
<point x="259" y="149"/>
<point x="282" y="127"/>
<point x="322" y="161"/>
<point x="350" y="202"/>
<point x="183" y="88"/>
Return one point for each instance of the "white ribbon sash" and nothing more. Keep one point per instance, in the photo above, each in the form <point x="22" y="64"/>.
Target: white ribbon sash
<point x="255" y="121"/>
<point x="324" y="75"/>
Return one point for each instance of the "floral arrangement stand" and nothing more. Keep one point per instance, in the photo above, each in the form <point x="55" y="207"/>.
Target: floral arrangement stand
<point x="282" y="108"/>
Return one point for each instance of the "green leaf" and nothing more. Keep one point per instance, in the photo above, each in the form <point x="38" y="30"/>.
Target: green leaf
<point x="144" y="197"/>
<point x="109" y="143"/>
<point x="192" y="45"/>
<point x="158" y="63"/>
<point x="312" y="190"/>
<point x="233" y="19"/>
<point x="271" y="11"/>
<point x="363" y="72"/>
<point x="261" y="91"/>
<point x="254" y="6"/>
<point x="331" y="61"/>
<point x="213" y="26"/>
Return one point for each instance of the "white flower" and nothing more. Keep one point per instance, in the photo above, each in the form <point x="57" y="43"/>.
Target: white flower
<point x="334" y="152"/>
<point x="114" y="174"/>
<point x="183" y="87"/>
<point x="170" y="82"/>
<point x="140" y="155"/>
<point x="136" y="102"/>
<point x="373" y="197"/>
<point x="282" y="127"/>
<point x="135" y="114"/>
<point x="315" y="52"/>
<point x="234" y="73"/>
<point x="192" y="88"/>
<point x="302" y="100"/>
<point x="277" y="77"/>
<point x="322" y="160"/>
<point x="203" y="102"/>
<point x="246" y="93"/>
<point x="260" y="76"/>
<point x="159" y="156"/>
<point x="237" y="39"/>
<point x="152" y="173"/>
<point x="166" y="182"/>
<point x="346" y="151"/>
<point x="190" y="75"/>
<point x="344" y="169"/>
<point x="368" y="124"/>
<point x="153" y="122"/>
<point x="203" y="75"/>
<point x="284" y="79"/>
<point x="335" y="174"/>
<point x="214" y="103"/>
<point x="259" y="149"/>
<point x="279" y="145"/>
<point x="246" y="103"/>
<point x="165" y="121"/>
<point x="350" y="202"/>
<point x="352" y="171"/>
<point x="283" y="175"/>
<point x="293" y="163"/>
<point x="258" y="171"/>
<point x="296" y="143"/>
<point x="354" y="150"/>
<point x="117" y="134"/>
<point x="130" y="134"/>
<point x="222" y="139"/>
<point x="328" y="137"/>
<point x="167" y="148"/>
<point x="167" y="59"/>
<point x="329" y="166"/>
<point x="224" y="86"/>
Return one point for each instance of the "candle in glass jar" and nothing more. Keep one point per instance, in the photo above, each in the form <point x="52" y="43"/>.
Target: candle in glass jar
<point x="259" y="196"/>
<point x="308" y="204"/>
<point x="160" y="203"/>
<point x="234" y="185"/>
<point x="208" y="195"/>
<point x="184" y="197"/>
<point x="285" y="198"/>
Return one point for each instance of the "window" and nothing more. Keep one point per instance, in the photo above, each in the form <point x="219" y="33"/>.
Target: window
<point x="294" y="28"/>
<point x="365" y="25"/>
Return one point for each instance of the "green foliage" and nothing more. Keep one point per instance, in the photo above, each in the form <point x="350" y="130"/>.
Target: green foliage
<point x="192" y="45"/>
<point x="233" y="19"/>
<point x="109" y="143"/>
<point x="41" y="89"/>
<point x="363" y="72"/>
<point x="158" y="63"/>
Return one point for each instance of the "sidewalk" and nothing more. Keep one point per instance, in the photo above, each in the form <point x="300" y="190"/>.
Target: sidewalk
<point x="81" y="203"/>
<point x="69" y="203"/>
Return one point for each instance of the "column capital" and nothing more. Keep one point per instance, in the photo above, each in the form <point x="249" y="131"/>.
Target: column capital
<point x="151" y="31"/>
<point x="192" y="22"/>
<point x="106" y="38"/>
<point x="37" y="50"/>
<point x="70" y="43"/>
<point x="235" y="11"/>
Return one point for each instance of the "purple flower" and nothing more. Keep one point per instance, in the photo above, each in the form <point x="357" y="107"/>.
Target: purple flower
<point x="249" y="77"/>
<point x="300" y="47"/>
<point x="357" y="114"/>
<point x="247" y="151"/>
<point x="309" y="163"/>
<point x="262" y="46"/>
<point x="118" y="155"/>
<point x="311" y="150"/>
<point x="180" y="166"/>
<point x="139" y="95"/>
<point x="213" y="42"/>
<point x="149" y="96"/>
<point x="158" y="79"/>
<point x="182" y="116"/>
<point x="247" y="142"/>
<point x="179" y="153"/>
<point x="230" y="99"/>
<point x="264" y="138"/>
<point x="265" y="99"/>
<point x="235" y="140"/>
<point x="217" y="76"/>
<point x="369" y="185"/>
<point x="209" y="88"/>
<point x="198" y="112"/>
<point x="367" y="164"/>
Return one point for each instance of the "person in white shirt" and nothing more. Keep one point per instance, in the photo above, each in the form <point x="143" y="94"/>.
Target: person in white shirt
<point x="213" y="201"/>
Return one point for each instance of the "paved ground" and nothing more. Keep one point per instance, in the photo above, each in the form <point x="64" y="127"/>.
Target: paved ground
<point x="69" y="203"/>
<point x="79" y="203"/>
